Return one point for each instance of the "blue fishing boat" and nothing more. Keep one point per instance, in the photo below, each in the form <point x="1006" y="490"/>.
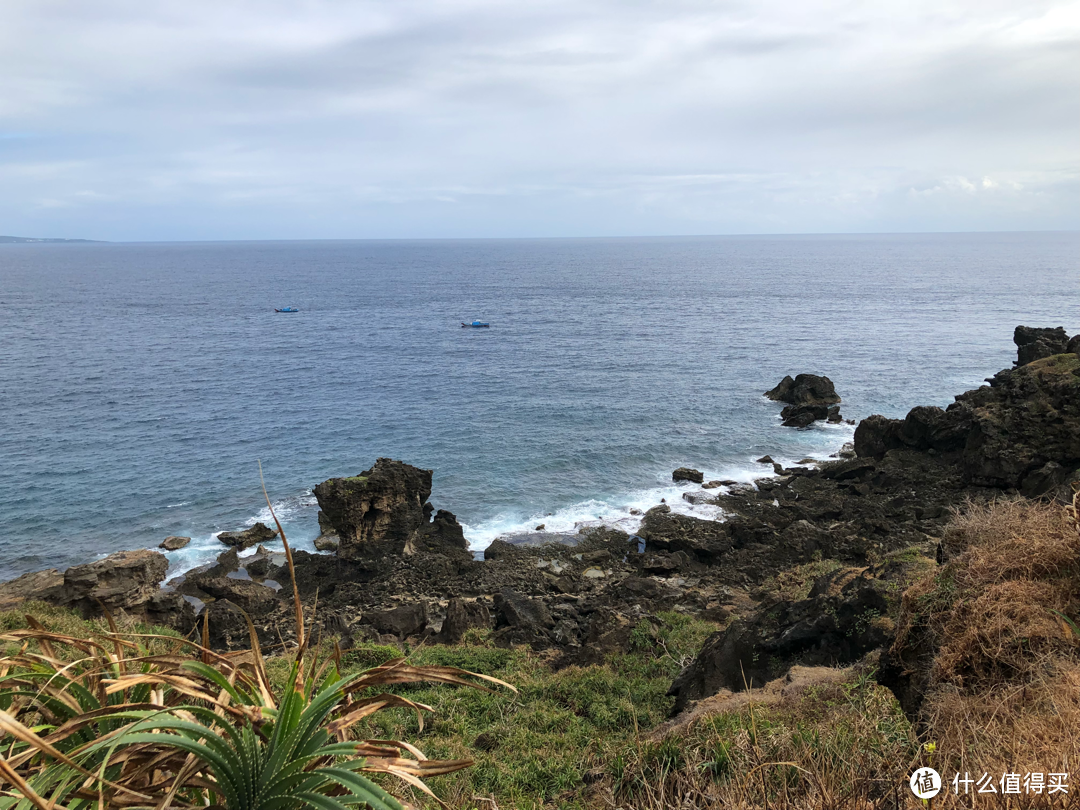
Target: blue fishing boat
<point x="475" y="325"/>
<point x="287" y="309"/>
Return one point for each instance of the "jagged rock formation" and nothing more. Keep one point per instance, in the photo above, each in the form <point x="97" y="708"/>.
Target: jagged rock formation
<point x="384" y="512"/>
<point x="127" y="582"/>
<point x="1034" y="344"/>
<point x="844" y="617"/>
<point x="328" y="539"/>
<point x="809" y="398"/>
<point x="1022" y="431"/>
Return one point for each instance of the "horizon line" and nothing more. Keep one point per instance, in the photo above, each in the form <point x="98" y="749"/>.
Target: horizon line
<point x="43" y="240"/>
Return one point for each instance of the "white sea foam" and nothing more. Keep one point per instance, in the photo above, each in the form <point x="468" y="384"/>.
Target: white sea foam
<point x="297" y="512"/>
<point x="205" y="548"/>
<point x="615" y="511"/>
<point x="286" y="508"/>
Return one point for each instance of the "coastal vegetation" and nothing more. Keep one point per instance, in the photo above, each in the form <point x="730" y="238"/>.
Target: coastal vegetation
<point x="104" y="718"/>
<point x="914" y="603"/>
<point x="994" y="629"/>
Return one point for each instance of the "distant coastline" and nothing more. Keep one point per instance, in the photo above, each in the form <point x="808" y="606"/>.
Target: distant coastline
<point x="23" y="240"/>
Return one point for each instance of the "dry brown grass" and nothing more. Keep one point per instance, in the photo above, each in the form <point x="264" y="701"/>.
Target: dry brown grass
<point x="1004" y="688"/>
<point x="818" y="738"/>
<point x="995" y="627"/>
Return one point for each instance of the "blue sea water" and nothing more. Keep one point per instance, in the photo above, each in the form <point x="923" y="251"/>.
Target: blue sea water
<point x="141" y="383"/>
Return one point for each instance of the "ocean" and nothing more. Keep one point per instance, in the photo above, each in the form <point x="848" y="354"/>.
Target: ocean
<point x="141" y="384"/>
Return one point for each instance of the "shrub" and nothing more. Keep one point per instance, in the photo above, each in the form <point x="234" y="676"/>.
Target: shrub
<point x="105" y="720"/>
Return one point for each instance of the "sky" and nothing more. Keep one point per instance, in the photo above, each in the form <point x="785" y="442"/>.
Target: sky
<point x="309" y="119"/>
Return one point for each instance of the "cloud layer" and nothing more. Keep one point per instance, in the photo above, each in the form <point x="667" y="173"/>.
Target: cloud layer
<point x="345" y="118"/>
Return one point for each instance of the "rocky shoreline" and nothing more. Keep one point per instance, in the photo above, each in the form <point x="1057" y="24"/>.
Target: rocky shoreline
<point x="806" y="568"/>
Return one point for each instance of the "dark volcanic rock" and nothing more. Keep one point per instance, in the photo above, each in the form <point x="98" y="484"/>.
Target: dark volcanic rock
<point x="384" y="512"/>
<point x="664" y="530"/>
<point x="259" y="533"/>
<point x="462" y="616"/>
<point x="376" y="512"/>
<point x="403" y="621"/>
<point x="499" y="549"/>
<point x="1044" y="480"/>
<point x="245" y="594"/>
<point x="521" y="620"/>
<point x="443" y="535"/>
<point x="876" y="435"/>
<point x="844" y="617"/>
<point x="688" y="474"/>
<point x="805" y="389"/>
<point x="801" y="416"/>
<point x="1026" y="418"/>
<point x="226" y="624"/>
<point x="1034" y="344"/>
<point x="127" y="582"/>
<point x="783" y="392"/>
<point x="809" y="398"/>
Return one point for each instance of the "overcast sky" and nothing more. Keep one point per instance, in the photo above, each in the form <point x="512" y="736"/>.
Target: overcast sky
<point x="223" y="119"/>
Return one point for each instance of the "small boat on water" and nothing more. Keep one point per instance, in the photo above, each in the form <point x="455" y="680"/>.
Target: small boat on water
<point x="287" y="309"/>
<point x="476" y="325"/>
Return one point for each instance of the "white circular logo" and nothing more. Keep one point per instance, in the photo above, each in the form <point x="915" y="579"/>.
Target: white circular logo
<point x="926" y="783"/>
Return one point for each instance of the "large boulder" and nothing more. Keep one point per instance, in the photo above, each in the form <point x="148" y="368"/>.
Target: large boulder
<point x="805" y="389"/>
<point x="443" y="535"/>
<point x="375" y="513"/>
<point x="259" y="533"/>
<point x="384" y="513"/>
<point x="688" y="474"/>
<point x="40" y="586"/>
<point x="253" y="598"/>
<point x="1033" y="343"/>
<point x="664" y="530"/>
<point x="125" y="581"/>
<point x="328" y="539"/>
<point x="1029" y="416"/>
<point x="521" y="620"/>
<point x="402" y="621"/>
<point x="808" y="398"/>
<point x="462" y="616"/>
<point x="875" y="435"/>
<point x="128" y="582"/>
<point x="174" y="542"/>
<point x="800" y="416"/>
<point x="844" y="617"/>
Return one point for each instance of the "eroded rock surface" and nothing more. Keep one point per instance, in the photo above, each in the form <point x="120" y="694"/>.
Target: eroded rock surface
<point x="809" y="397"/>
<point x="124" y="583"/>
<point x="259" y="533"/>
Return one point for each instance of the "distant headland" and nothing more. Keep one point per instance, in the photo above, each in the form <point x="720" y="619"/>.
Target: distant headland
<point x="22" y="240"/>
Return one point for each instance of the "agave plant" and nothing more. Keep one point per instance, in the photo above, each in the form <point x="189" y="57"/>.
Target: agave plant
<point x="112" y="725"/>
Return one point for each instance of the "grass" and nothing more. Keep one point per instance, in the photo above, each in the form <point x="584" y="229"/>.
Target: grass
<point x="531" y="750"/>
<point x="96" y="717"/>
<point x="997" y="623"/>
<point x="842" y="744"/>
<point x="795" y="583"/>
<point x="1004" y="696"/>
<point x="536" y="749"/>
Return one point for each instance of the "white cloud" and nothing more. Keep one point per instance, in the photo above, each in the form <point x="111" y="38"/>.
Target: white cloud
<point x="340" y="118"/>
